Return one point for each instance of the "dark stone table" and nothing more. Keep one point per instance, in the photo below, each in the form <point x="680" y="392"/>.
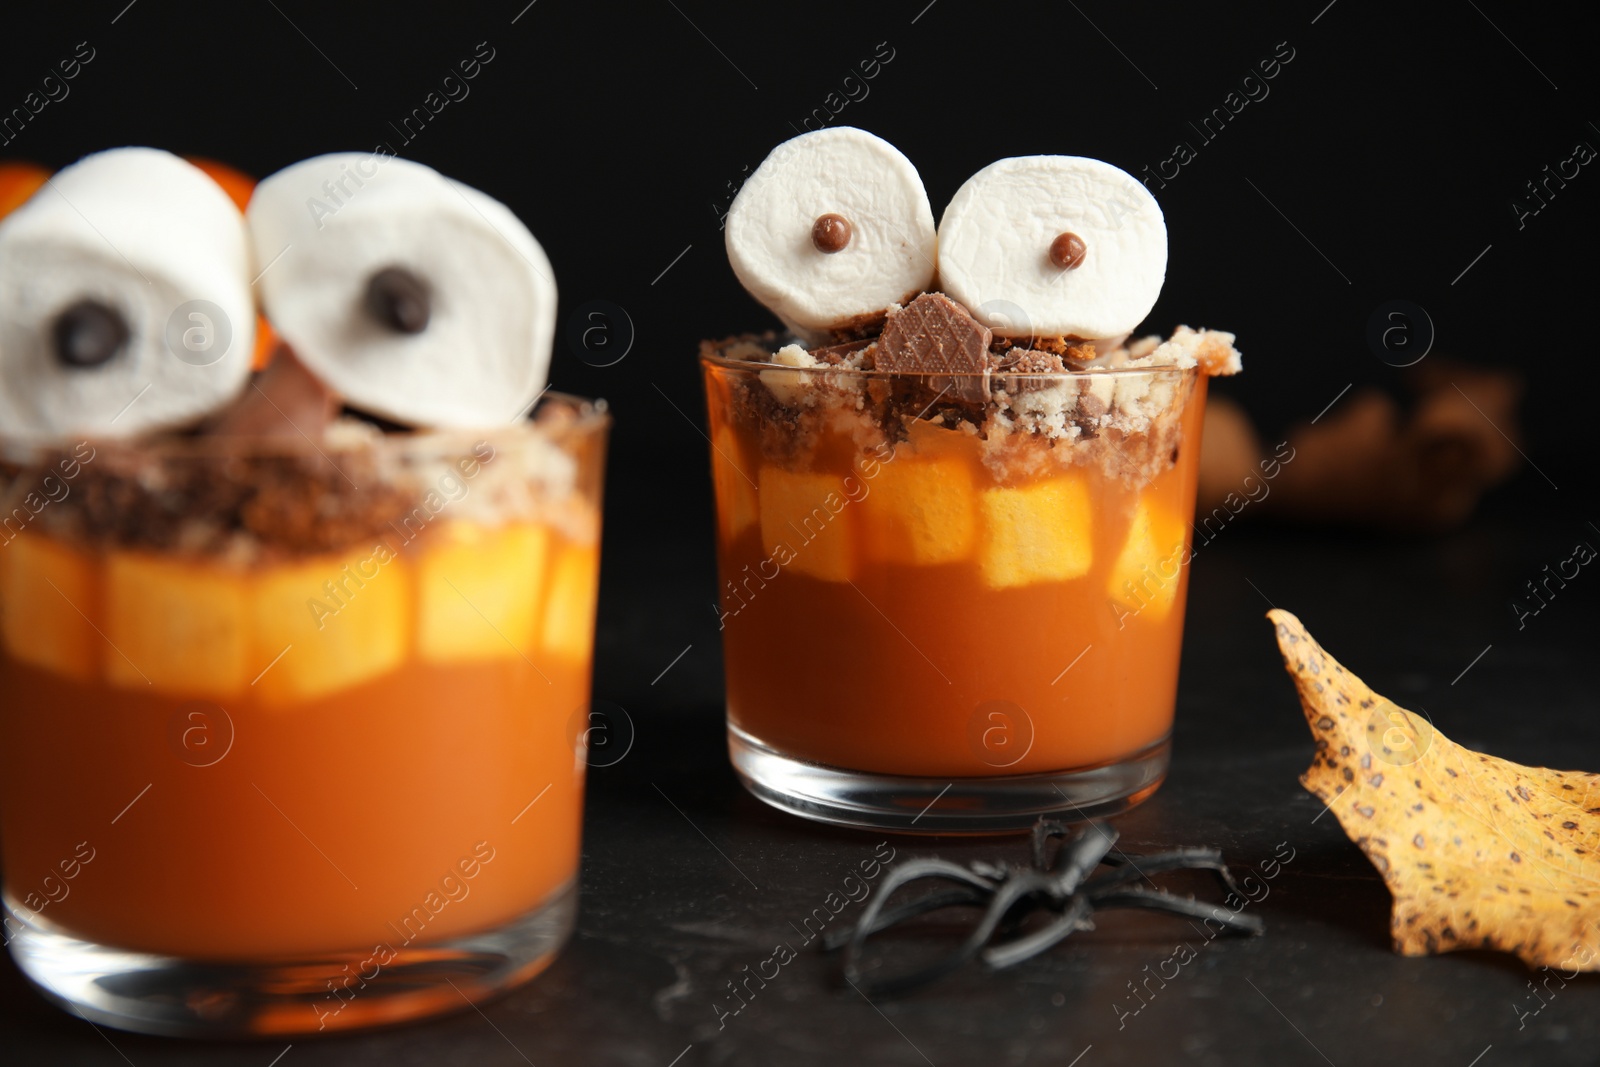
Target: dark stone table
<point x="688" y="881"/>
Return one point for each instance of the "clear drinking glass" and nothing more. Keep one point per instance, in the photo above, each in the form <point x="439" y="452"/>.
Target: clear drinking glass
<point x="288" y="730"/>
<point x="927" y="629"/>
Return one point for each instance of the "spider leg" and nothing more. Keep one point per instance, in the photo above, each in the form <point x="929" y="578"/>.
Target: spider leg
<point x="1075" y="861"/>
<point x="948" y="898"/>
<point x="1010" y="953"/>
<point x="1006" y="894"/>
<point x="1043" y="831"/>
<point x="1131" y="868"/>
<point x="1196" y="909"/>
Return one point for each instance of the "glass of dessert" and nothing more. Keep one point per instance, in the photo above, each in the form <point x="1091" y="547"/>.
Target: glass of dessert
<point x="292" y="657"/>
<point x="953" y="498"/>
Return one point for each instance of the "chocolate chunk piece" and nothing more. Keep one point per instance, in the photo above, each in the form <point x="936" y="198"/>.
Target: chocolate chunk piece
<point x="933" y="334"/>
<point x="934" y="339"/>
<point x="285" y="401"/>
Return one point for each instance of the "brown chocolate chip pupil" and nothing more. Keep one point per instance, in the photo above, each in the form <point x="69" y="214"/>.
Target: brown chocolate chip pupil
<point x="830" y="233"/>
<point x="399" y="299"/>
<point x="89" y="334"/>
<point x="1067" y="251"/>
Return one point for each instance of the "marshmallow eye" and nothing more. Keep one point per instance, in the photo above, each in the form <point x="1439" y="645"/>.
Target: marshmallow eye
<point x="834" y="226"/>
<point x="88" y="334"/>
<point x="399" y="299"/>
<point x="415" y="298"/>
<point x="124" y="300"/>
<point x="1058" y="246"/>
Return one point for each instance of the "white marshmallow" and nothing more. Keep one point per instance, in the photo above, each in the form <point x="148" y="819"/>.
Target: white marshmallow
<point x="892" y="249"/>
<point x="143" y="233"/>
<point x="338" y="219"/>
<point x="995" y="237"/>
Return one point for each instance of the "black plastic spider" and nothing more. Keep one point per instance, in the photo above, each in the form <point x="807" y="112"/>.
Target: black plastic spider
<point x="1060" y="884"/>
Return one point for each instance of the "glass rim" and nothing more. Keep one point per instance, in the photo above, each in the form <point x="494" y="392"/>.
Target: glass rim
<point x="717" y="359"/>
<point x="592" y="418"/>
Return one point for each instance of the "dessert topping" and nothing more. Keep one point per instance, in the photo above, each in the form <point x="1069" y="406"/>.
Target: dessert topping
<point x="878" y="246"/>
<point x="125" y="301"/>
<point x="399" y="299"/>
<point x="1067" y="251"/>
<point x="89" y="333"/>
<point x="998" y="223"/>
<point x="830" y="233"/>
<point x="933" y="335"/>
<point x="416" y="298"/>
<point x="284" y="401"/>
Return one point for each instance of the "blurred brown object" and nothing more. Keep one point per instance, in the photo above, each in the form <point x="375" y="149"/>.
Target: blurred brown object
<point x="285" y="400"/>
<point x="1230" y="452"/>
<point x="1366" y="463"/>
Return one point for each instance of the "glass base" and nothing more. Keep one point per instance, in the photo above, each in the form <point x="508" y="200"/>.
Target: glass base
<point x="914" y="805"/>
<point x="165" y="995"/>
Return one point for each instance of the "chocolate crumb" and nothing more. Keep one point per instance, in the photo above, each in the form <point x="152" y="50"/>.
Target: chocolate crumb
<point x="1076" y="352"/>
<point x="1019" y="362"/>
<point x="863" y="327"/>
<point x="289" y="503"/>
<point x="1029" y="361"/>
<point x="833" y="355"/>
<point x="1125" y="427"/>
<point x="755" y="405"/>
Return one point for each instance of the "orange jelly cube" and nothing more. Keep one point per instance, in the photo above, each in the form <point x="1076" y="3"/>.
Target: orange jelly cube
<point x="181" y="627"/>
<point x="921" y="510"/>
<point x="46" y="589"/>
<point x="809" y="514"/>
<point x="1145" y="575"/>
<point x="570" y="608"/>
<point x="478" y="592"/>
<point x="1036" y="533"/>
<point x="343" y="619"/>
<point x="730" y="476"/>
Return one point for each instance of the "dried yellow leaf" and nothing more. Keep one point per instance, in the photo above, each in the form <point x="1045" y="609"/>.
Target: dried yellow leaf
<point x="1478" y="852"/>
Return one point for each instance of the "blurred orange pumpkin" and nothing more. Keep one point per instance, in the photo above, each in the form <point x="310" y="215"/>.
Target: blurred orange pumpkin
<point x="18" y="181"/>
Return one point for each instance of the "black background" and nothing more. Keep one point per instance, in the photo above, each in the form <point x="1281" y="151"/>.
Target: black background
<point x="1384" y="161"/>
<point x="1391" y="149"/>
